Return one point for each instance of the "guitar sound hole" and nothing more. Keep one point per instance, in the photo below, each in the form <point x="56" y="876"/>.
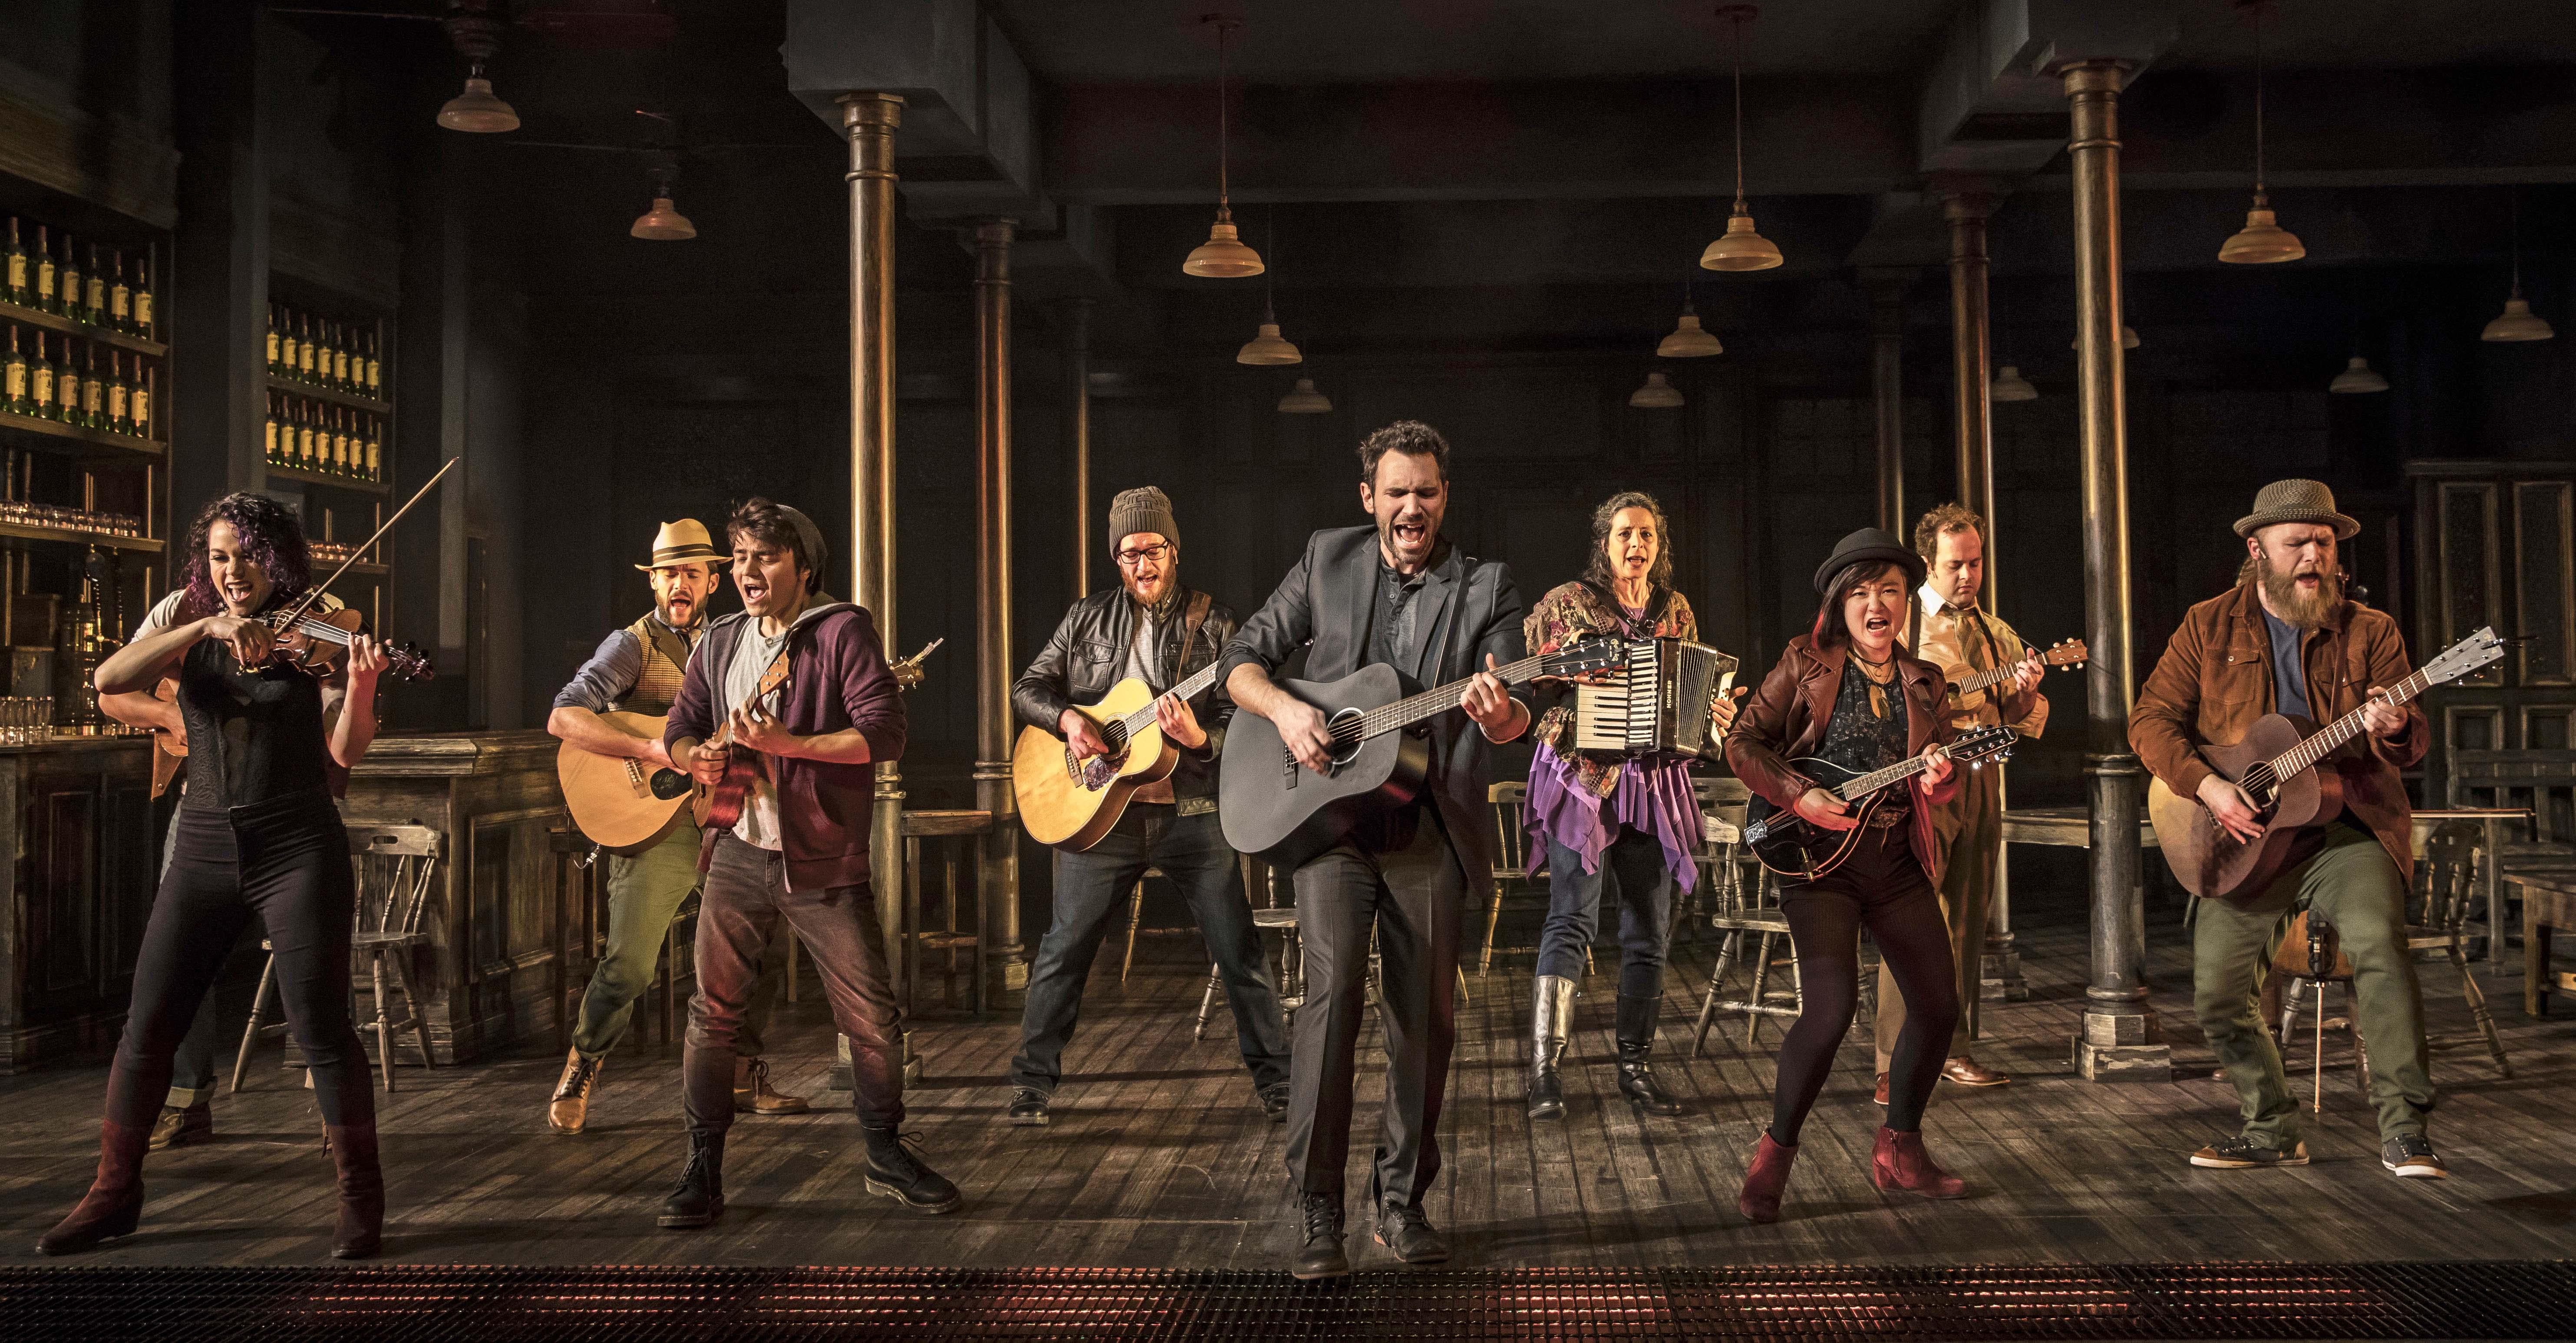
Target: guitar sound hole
<point x="669" y="783"/>
<point x="1347" y="718"/>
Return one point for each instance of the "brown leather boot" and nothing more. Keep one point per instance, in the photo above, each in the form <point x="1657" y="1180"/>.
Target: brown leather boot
<point x="114" y="1204"/>
<point x="569" y="1109"/>
<point x="752" y="1093"/>
<point x="1901" y="1163"/>
<point x="361" y="1228"/>
<point x="180" y="1127"/>
<point x="1763" y="1184"/>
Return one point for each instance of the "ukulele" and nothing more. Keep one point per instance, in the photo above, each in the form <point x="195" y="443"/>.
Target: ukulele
<point x="2069" y="653"/>
<point x="720" y="803"/>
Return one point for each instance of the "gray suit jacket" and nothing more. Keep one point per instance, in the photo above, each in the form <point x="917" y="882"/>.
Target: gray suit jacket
<point x="1468" y="608"/>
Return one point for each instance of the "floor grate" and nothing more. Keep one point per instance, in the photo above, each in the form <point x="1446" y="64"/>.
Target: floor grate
<point x="508" y="1304"/>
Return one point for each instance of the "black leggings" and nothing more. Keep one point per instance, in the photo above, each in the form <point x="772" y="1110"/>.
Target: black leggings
<point x="287" y="863"/>
<point x="1883" y="888"/>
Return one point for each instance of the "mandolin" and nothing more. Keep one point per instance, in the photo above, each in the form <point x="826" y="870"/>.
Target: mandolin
<point x="2276" y="764"/>
<point x="1791" y="846"/>
<point x="1072" y="803"/>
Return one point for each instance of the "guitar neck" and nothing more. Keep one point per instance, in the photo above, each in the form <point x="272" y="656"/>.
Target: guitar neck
<point x="1197" y="681"/>
<point x="2307" y="753"/>
<point x="1870" y="783"/>
<point x="1413" y="709"/>
<point x="1993" y="676"/>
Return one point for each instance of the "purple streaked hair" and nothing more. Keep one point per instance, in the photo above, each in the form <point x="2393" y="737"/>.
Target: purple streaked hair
<point x="271" y="539"/>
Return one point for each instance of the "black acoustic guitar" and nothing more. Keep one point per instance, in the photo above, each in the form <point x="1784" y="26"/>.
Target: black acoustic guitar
<point x="1284" y="813"/>
<point x="1787" y="844"/>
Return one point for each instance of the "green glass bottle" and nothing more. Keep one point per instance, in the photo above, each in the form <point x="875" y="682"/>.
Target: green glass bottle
<point x="14" y="289"/>
<point x="13" y="382"/>
<point x="93" y="394"/>
<point x="120" y="299"/>
<point x="119" y="395"/>
<point x="45" y="299"/>
<point x="40" y="382"/>
<point x="143" y="296"/>
<point x="94" y="298"/>
<point x="67" y="283"/>
<point x="375" y="370"/>
<point x="67" y="387"/>
<point x="138" y="405"/>
<point x="304" y="353"/>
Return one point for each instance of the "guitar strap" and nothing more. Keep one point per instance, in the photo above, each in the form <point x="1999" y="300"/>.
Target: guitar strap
<point x="1191" y="620"/>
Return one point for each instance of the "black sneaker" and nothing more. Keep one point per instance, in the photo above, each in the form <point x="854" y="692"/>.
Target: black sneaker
<point x="2411" y="1158"/>
<point x="1274" y="1102"/>
<point x="1029" y="1107"/>
<point x="2243" y="1153"/>
<point x="895" y="1172"/>
<point x="699" y="1200"/>
<point x="1407" y="1232"/>
<point x="1321" y="1255"/>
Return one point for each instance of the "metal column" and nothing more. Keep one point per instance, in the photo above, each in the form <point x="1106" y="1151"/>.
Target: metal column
<point x="1886" y="289"/>
<point x="1077" y="434"/>
<point x="1001" y="876"/>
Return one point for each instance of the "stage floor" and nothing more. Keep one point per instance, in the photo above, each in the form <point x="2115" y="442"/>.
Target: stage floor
<point x="1160" y="1159"/>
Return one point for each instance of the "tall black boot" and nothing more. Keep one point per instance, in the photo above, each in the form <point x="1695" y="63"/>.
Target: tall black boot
<point x="1636" y="1041"/>
<point x="1551" y="1009"/>
<point x="699" y="1200"/>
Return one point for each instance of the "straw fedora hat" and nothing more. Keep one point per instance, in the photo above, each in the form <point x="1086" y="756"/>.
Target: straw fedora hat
<point x="684" y="542"/>
<point x="2296" y="501"/>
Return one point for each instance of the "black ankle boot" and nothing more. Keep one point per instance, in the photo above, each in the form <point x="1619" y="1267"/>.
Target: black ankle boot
<point x="895" y="1172"/>
<point x="1319" y="1254"/>
<point x="1636" y="1041"/>
<point x="1551" y="1012"/>
<point x="699" y="1200"/>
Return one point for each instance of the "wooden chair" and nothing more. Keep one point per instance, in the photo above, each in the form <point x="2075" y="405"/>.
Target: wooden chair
<point x="397" y="868"/>
<point x="1135" y="921"/>
<point x="1268" y="916"/>
<point x="2448" y="872"/>
<point x="1745" y="911"/>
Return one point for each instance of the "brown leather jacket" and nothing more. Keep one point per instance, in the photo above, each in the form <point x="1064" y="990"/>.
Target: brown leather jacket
<point x="2215" y="679"/>
<point x="1786" y="719"/>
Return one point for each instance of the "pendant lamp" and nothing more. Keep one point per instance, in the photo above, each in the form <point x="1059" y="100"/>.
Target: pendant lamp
<point x="664" y="222"/>
<point x="2262" y="240"/>
<point x="1223" y="256"/>
<point x="1269" y="347"/>
<point x="1303" y="399"/>
<point x="1740" y="248"/>
<point x="478" y="109"/>
<point x="2357" y="377"/>
<point x="2010" y="385"/>
<point x="1658" y="394"/>
<point x="2517" y="322"/>
<point x="1689" y="340"/>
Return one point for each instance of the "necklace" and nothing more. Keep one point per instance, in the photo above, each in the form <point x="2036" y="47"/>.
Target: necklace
<point x="1881" y="671"/>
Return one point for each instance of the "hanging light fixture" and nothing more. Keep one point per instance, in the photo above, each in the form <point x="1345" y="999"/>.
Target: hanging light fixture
<point x="2262" y="240"/>
<point x="478" y="109"/>
<point x="1269" y="347"/>
<point x="2010" y="385"/>
<point x="2357" y="377"/>
<point x="1740" y="248"/>
<point x="1303" y="399"/>
<point x="2517" y="322"/>
<point x="1689" y="340"/>
<point x="1223" y="256"/>
<point x="664" y="222"/>
<point x="1658" y="393"/>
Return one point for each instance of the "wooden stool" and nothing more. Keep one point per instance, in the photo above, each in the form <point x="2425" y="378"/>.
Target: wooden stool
<point x="964" y="833"/>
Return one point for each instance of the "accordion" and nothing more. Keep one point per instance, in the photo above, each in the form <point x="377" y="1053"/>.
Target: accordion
<point x="1655" y="701"/>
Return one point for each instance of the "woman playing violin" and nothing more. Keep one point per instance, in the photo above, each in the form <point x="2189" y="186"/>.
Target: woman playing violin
<point x="257" y="837"/>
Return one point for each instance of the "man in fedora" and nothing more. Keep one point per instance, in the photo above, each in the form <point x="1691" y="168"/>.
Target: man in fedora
<point x="638" y="670"/>
<point x="2287" y="640"/>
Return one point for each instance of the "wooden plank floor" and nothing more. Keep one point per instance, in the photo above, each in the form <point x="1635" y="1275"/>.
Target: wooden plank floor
<point x="1158" y="1156"/>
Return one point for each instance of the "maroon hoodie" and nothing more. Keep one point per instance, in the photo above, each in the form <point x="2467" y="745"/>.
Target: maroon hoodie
<point x="837" y="679"/>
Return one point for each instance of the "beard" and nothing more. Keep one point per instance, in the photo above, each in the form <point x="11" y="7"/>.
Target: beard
<point x="2299" y="610"/>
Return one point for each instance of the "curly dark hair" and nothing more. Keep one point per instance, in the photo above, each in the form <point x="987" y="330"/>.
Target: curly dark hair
<point x="1660" y="573"/>
<point x="1830" y="630"/>
<point x="1413" y="438"/>
<point x="271" y="538"/>
<point x="766" y="521"/>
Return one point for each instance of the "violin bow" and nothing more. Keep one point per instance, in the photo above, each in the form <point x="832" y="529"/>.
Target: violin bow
<point x="312" y="595"/>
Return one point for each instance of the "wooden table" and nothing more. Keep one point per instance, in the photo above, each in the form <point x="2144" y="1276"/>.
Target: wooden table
<point x="2548" y="903"/>
<point x="2499" y="823"/>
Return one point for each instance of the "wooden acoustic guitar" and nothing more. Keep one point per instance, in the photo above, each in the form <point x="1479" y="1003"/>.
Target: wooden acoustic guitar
<point x="1788" y="844"/>
<point x="2068" y="654"/>
<point x="2276" y="765"/>
<point x="1283" y="813"/>
<point x="1072" y="803"/>
<point x="623" y="803"/>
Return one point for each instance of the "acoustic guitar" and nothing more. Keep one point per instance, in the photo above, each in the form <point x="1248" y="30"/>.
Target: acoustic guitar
<point x="2069" y="653"/>
<point x="2276" y="765"/>
<point x="1072" y="803"/>
<point x="624" y="804"/>
<point x="1788" y="844"/>
<point x="1284" y="813"/>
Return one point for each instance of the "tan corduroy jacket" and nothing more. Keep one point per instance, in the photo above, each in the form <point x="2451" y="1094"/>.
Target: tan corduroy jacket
<point x="2215" y="679"/>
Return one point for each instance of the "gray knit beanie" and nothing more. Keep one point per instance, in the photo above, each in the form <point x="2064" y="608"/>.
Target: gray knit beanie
<point x="1144" y="509"/>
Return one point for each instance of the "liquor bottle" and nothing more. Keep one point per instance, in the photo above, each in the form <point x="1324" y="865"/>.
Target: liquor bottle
<point x="270" y="454"/>
<point x="375" y="449"/>
<point x="274" y="368"/>
<point x="120" y="299"/>
<point x="40" y="382"/>
<point x="340" y="361"/>
<point x="143" y="297"/>
<point x="119" y="395"/>
<point x="138" y="407"/>
<point x="16" y="290"/>
<point x="304" y="455"/>
<point x="322" y="356"/>
<point x="286" y="346"/>
<point x="375" y="370"/>
<point x="67" y="283"/>
<point x="304" y="352"/>
<point x="339" y="444"/>
<point x="93" y="395"/>
<point x="94" y="299"/>
<point x="45" y="299"/>
<point x="13" y="386"/>
<point x="67" y="387"/>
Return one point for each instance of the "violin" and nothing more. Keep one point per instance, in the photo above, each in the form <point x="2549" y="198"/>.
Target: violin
<point x="314" y="642"/>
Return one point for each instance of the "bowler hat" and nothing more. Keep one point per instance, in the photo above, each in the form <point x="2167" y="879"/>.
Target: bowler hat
<point x="2296" y="501"/>
<point x="1869" y="543"/>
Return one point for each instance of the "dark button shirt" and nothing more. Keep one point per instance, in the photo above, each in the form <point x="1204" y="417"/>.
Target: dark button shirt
<point x="1863" y="741"/>
<point x="1394" y="636"/>
<point x="2289" y="679"/>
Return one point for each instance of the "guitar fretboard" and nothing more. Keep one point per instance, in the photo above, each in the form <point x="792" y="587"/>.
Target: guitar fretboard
<point x="1135" y="722"/>
<point x="2307" y="753"/>
<point x="1870" y="783"/>
<point x="1413" y="709"/>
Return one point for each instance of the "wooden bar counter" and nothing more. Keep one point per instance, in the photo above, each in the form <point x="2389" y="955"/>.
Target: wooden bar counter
<point x="492" y="974"/>
<point x="76" y="822"/>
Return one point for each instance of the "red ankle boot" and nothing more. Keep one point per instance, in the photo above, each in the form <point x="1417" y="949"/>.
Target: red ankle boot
<point x="1760" y="1201"/>
<point x="362" y="1193"/>
<point x="114" y="1204"/>
<point x="1901" y="1163"/>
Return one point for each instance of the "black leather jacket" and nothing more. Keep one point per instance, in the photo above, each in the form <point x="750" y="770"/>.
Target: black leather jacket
<point x="1087" y="654"/>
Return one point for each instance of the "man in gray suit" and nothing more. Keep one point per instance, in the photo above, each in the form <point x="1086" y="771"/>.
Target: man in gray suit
<point x="1393" y="592"/>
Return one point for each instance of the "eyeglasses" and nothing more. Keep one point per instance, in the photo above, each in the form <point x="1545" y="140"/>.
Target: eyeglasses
<point x="1147" y="555"/>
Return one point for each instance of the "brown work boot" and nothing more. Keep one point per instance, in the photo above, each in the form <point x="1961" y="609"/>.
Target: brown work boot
<point x="1880" y="1095"/>
<point x="1964" y="1071"/>
<point x="180" y="1127"/>
<point x="752" y="1093"/>
<point x="570" y="1108"/>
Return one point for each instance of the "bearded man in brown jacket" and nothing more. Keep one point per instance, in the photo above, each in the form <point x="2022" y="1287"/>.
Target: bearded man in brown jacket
<point x="2287" y="640"/>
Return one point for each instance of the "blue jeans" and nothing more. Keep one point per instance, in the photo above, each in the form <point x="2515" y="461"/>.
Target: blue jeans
<point x="1634" y="865"/>
<point x="1089" y="888"/>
